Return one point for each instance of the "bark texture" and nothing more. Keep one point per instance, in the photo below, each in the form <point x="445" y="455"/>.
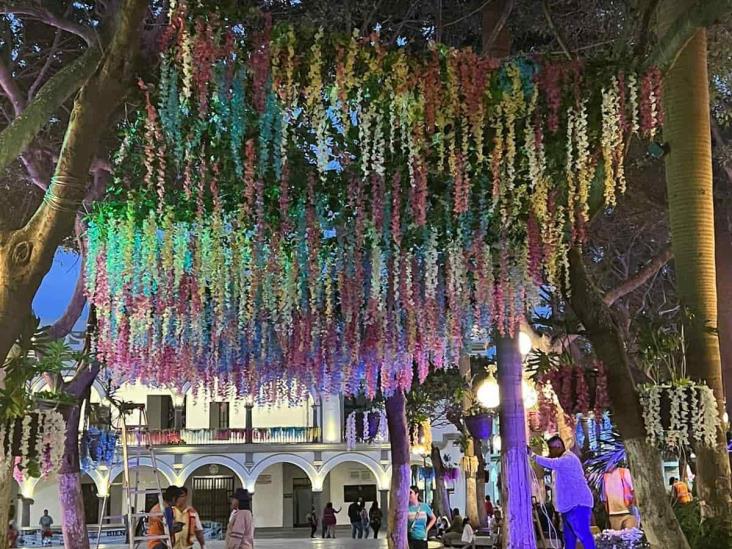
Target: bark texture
<point x="73" y="520"/>
<point x="515" y="476"/>
<point x="723" y="258"/>
<point x="396" y="416"/>
<point x="442" y="499"/>
<point x="659" y="522"/>
<point x="687" y="130"/>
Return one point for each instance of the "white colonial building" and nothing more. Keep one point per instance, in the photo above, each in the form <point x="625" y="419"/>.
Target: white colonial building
<point x="290" y="458"/>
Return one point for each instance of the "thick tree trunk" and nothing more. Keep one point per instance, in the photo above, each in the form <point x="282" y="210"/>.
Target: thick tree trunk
<point x="515" y="475"/>
<point x="659" y="522"/>
<point x="6" y="490"/>
<point x="442" y="499"/>
<point x="400" y="471"/>
<point x="687" y="131"/>
<point x="73" y="520"/>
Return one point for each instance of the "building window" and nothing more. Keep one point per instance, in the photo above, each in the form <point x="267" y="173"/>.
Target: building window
<point x="219" y="415"/>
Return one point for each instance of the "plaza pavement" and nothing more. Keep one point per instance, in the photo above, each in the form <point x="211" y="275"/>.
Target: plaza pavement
<point x="286" y="543"/>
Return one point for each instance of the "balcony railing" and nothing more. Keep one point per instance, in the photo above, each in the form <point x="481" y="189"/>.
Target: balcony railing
<point x="259" y="435"/>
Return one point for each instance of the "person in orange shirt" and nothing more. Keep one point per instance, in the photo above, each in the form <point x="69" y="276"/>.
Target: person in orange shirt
<point x="680" y="491"/>
<point x="155" y="523"/>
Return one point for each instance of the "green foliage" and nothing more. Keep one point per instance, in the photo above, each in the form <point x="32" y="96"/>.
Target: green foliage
<point x="701" y="534"/>
<point x="439" y="397"/>
<point x="33" y="355"/>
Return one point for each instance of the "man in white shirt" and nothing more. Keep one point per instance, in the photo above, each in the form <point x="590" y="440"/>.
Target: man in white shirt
<point x="573" y="498"/>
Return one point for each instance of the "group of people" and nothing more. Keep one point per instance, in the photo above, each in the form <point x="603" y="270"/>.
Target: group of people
<point x="362" y="520"/>
<point x="184" y="524"/>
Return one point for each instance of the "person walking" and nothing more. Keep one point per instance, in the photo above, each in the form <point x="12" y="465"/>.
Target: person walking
<point x="365" y="521"/>
<point x="312" y="520"/>
<point x="12" y="535"/>
<point x="375" y="517"/>
<point x="573" y="496"/>
<point x="240" y="532"/>
<point x="420" y="521"/>
<point x="619" y="496"/>
<point x="354" y="515"/>
<point x="330" y="520"/>
<point x="46" y="522"/>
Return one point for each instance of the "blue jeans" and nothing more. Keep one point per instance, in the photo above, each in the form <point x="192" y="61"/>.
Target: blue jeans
<point x="576" y="526"/>
<point x="356" y="527"/>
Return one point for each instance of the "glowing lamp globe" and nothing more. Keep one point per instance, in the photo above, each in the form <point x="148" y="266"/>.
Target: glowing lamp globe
<point x="488" y="393"/>
<point x="497" y="444"/>
<point x="529" y="394"/>
<point x="524" y="343"/>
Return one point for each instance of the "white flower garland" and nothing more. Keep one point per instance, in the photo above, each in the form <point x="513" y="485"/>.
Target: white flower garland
<point x="55" y="434"/>
<point x="25" y="439"/>
<point x="365" y="427"/>
<point x="693" y="409"/>
<point x="707" y="417"/>
<point x="351" y="431"/>
<point x="633" y="102"/>
<point x="383" y="432"/>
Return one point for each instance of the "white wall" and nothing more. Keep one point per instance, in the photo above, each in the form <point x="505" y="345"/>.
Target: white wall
<point x="342" y="475"/>
<point x="117" y="501"/>
<point x="45" y="496"/>
<point x="282" y="416"/>
<point x="332" y="423"/>
<point x="267" y="501"/>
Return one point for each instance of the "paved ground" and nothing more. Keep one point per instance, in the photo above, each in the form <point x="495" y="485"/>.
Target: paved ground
<point x="282" y="543"/>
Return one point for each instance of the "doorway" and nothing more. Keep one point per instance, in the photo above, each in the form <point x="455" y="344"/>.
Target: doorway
<point x="212" y="498"/>
<point x="302" y="498"/>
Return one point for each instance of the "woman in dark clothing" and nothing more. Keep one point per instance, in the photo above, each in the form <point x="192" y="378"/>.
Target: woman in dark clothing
<point x="330" y="520"/>
<point x="375" y="518"/>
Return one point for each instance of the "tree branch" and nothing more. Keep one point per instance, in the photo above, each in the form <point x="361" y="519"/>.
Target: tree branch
<point x="46" y="65"/>
<point x="10" y="87"/>
<point x="496" y="30"/>
<point x="644" y="28"/>
<point x="701" y="14"/>
<point x="640" y="278"/>
<point x="555" y="30"/>
<point x="49" y="18"/>
<point x="18" y="135"/>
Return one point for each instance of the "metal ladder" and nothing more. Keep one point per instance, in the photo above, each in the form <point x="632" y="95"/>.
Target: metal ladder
<point x="142" y="448"/>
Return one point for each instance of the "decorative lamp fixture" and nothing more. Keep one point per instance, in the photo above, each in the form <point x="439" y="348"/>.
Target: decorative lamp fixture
<point x="488" y="394"/>
<point x="525" y="345"/>
<point x="530" y="396"/>
<point x="497" y="444"/>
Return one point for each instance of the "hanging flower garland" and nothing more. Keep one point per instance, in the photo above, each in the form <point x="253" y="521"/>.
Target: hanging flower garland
<point x="675" y="415"/>
<point x="374" y="428"/>
<point x="97" y="447"/>
<point x="212" y="261"/>
<point x="35" y="443"/>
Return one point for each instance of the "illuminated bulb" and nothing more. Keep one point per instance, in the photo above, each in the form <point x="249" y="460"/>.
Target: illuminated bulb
<point x="529" y="394"/>
<point x="524" y="343"/>
<point x="497" y="444"/>
<point x="488" y="393"/>
<point x="725" y="418"/>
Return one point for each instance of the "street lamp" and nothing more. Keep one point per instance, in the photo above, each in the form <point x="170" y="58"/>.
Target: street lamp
<point x="488" y="393"/>
<point x="524" y="343"/>
<point x="530" y="396"/>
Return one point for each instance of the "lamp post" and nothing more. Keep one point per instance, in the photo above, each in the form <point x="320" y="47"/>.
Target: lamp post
<point x="248" y="426"/>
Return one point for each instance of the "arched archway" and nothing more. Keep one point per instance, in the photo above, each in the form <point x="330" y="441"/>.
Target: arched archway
<point x="211" y="481"/>
<point x="283" y="486"/>
<point x="146" y="479"/>
<point x="349" y="477"/>
<point x="381" y="476"/>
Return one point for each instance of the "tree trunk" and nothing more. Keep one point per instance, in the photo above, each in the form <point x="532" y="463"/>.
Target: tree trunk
<point x="515" y="476"/>
<point x="469" y="459"/>
<point x="73" y="520"/>
<point x="400" y="471"/>
<point x="687" y="131"/>
<point x="480" y="485"/>
<point x="6" y="490"/>
<point x="723" y="259"/>
<point x="659" y="522"/>
<point x="442" y="499"/>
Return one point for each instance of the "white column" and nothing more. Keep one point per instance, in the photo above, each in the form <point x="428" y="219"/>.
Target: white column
<point x="332" y="420"/>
